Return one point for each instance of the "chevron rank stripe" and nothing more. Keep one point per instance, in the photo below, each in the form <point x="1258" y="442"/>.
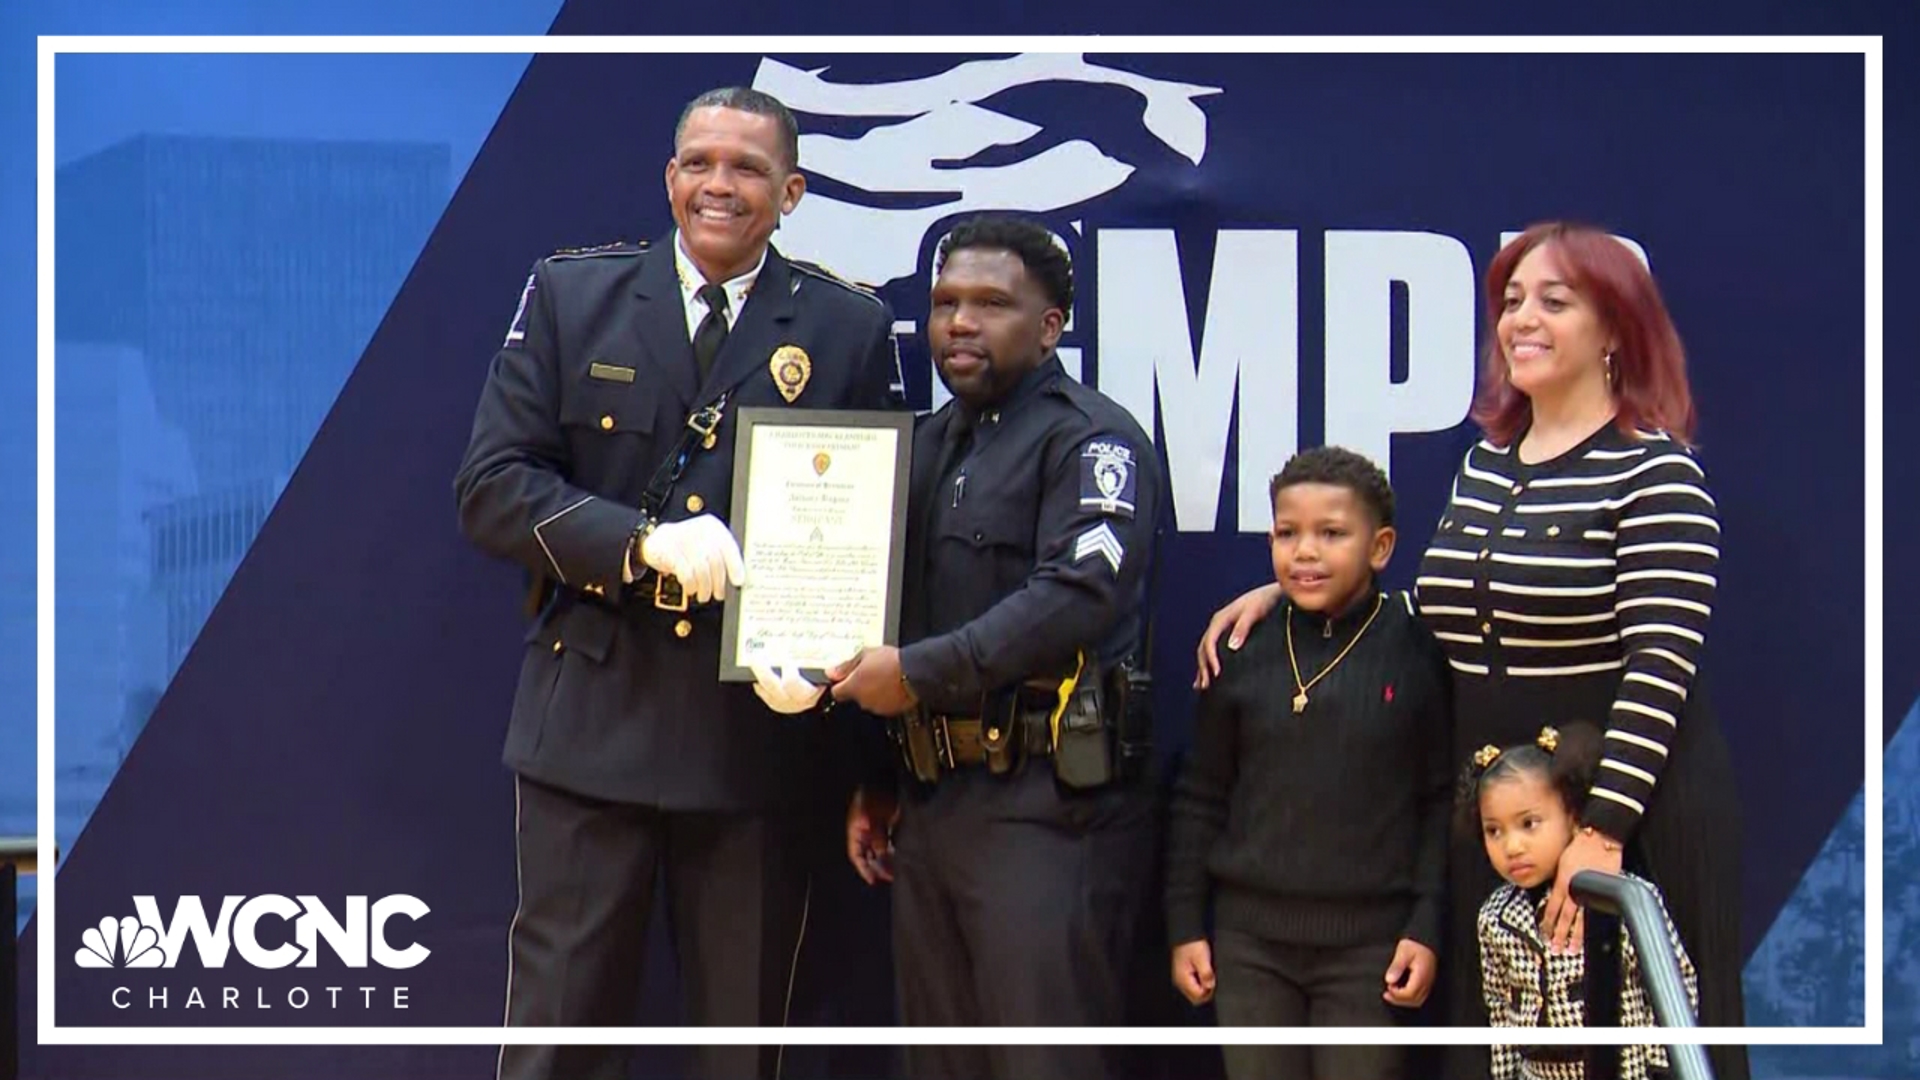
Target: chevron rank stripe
<point x="1100" y="541"/>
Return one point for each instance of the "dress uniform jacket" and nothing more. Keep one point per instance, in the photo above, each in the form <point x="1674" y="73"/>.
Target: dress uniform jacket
<point x="1526" y="986"/>
<point x="590" y="392"/>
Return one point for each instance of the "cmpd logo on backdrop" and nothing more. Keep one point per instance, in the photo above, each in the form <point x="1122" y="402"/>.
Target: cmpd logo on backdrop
<point x="932" y="149"/>
<point x="363" y="939"/>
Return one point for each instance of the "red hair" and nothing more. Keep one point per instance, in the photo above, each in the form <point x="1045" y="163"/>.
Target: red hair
<point x="1649" y="366"/>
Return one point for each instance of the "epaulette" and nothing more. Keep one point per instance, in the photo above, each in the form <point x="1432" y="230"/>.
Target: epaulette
<point x="815" y="270"/>
<point x="618" y="247"/>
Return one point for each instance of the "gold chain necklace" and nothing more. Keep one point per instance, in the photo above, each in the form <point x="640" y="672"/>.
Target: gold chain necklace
<point x="1300" y="698"/>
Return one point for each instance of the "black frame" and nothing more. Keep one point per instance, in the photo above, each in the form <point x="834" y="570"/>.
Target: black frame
<point x="748" y="421"/>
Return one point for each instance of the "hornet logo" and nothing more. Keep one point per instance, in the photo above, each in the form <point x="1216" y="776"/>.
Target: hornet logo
<point x="944" y="123"/>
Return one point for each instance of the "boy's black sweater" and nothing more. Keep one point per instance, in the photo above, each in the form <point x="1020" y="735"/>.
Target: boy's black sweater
<point x="1328" y="827"/>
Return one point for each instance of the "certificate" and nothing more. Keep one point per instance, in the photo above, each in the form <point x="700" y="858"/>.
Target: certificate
<point x="820" y="511"/>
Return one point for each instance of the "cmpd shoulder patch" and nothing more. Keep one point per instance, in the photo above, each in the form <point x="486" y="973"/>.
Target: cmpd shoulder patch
<point x="1107" y="477"/>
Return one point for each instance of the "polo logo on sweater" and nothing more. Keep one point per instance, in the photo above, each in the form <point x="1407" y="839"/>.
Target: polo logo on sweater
<point x="1388" y="696"/>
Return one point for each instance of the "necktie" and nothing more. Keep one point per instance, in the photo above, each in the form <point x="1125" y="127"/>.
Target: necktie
<point x="713" y="329"/>
<point x="959" y="439"/>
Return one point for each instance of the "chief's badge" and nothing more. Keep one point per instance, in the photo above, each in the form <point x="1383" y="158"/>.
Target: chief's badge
<point x="820" y="463"/>
<point x="791" y="370"/>
<point x="1107" y="478"/>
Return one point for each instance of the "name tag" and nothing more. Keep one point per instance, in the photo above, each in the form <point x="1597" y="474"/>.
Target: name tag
<point x="610" y="372"/>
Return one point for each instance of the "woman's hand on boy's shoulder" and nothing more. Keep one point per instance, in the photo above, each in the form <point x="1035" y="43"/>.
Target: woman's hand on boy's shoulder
<point x="1233" y="622"/>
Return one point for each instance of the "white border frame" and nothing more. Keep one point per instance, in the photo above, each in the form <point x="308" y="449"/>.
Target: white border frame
<point x="1869" y="1034"/>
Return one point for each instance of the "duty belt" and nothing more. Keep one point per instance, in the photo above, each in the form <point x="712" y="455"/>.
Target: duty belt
<point x="962" y="740"/>
<point x="1013" y="728"/>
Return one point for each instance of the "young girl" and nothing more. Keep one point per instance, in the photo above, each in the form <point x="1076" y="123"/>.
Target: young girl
<point x="1524" y="802"/>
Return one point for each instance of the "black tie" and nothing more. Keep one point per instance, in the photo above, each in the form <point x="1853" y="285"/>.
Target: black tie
<point x="713" y="329"/>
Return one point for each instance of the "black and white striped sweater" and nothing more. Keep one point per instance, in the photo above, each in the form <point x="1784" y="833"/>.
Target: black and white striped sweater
<point x="1599" y="561"/>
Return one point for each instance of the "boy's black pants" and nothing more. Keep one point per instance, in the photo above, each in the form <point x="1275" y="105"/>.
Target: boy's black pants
<point x="1262" y="983"/>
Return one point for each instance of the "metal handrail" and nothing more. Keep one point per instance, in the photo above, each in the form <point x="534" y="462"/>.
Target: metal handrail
<point x="22" y="851"/>
<point x="18" y="855"/>
<point x="1634" y="903"/>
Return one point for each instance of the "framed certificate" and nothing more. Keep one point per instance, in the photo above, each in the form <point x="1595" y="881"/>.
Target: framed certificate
<point x="820" y="511"/>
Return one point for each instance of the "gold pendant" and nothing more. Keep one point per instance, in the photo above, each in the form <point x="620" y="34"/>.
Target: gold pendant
<point x="1300" y="702"/>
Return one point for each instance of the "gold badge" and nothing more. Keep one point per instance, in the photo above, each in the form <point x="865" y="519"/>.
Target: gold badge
<point x="791" y="370"/>
<point x="820" y="463"/>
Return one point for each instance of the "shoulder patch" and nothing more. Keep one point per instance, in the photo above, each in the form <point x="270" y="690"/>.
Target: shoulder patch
<point x="821" y="273"/>
<point x="517" y="330"/>
<point x="1108" y="477"/>
<point x="618" y="247"/>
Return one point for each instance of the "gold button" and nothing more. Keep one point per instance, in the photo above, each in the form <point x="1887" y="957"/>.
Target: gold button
<point x="606" y="422"/>
<point x="695" y="504"/>
<point x="993" y="734"/>
<point x="1483" y="554"/>
<point x="683" y="628"/>
<point x="1486" y="628"/>
<point x="1518" y="488"/>
<point x="557" y="646"/>
<point x="1553" y="530"/>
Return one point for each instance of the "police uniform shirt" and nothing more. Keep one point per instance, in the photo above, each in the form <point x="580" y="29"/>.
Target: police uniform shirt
<point x="1029" y="532"/>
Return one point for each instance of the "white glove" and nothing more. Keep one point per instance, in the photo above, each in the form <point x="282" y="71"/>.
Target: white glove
<point x="785" y="693"/>
<point x="701" y="552"/>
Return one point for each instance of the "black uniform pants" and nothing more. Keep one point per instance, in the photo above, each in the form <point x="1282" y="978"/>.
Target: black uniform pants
<point x="736" y="895"/>
<point x="1015" y="904"/>
<point x="1262" y="983"/>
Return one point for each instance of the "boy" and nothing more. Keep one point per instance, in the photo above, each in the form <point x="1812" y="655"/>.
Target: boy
<point x="1313" y="808"/>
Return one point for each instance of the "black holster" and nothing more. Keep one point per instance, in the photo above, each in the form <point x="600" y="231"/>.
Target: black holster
<point x="1130" y="691"/>
<point x="1083" y="751"/>
<point x="1106" y="734"/>
<point x="914" y="733"/>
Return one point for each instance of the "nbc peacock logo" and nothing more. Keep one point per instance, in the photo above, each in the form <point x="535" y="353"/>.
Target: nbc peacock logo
<point x="122" y="943"/>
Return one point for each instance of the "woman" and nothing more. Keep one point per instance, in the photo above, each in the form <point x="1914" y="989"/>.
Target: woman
<point x="1572" y="578"/>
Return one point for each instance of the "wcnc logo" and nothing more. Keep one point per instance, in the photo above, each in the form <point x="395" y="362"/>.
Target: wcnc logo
<point x="358" y="937"/>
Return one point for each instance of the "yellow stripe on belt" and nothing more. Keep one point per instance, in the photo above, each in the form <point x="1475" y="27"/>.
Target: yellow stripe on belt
<point x="1067" y="687"/>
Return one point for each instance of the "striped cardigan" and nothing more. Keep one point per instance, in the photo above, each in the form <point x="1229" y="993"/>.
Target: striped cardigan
<point x="1598" y="561"/>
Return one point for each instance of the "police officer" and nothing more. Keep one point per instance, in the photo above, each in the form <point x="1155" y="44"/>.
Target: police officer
<point x="1023" y="840"/>
<point x="601" y="461"/>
